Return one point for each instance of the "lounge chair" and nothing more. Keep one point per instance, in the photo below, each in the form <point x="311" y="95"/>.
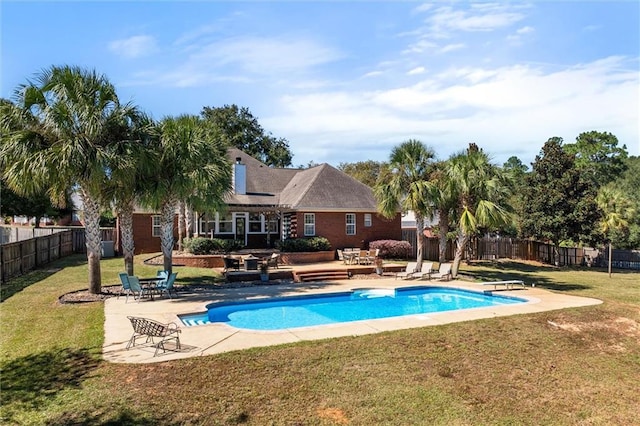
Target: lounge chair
<point x="424" y="272"/>
<point x="126" y="288"/>
<point x="444" y="272"/>
<point x="408" y="272"/>
<point x="167" y="285"/>
<point x="150" y="328"/>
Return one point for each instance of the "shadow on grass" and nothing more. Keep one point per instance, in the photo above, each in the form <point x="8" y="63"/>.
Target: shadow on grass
<point x="529" y="274"/>
<point x="31" y="382"/>
<point x="119" y="417"/>
<point x="17" y="284"/>
<point x="33" y="379"/>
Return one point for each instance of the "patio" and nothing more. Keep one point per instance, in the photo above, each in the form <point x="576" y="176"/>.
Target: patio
<point x="217" y="338"/>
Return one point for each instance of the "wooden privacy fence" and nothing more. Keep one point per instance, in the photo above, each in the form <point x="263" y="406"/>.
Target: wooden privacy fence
<point x="20" y="257"/>
<point x="512" y="248"/>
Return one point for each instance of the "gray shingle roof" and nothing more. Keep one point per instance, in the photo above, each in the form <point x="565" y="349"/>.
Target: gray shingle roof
<point x="320" y="188"/>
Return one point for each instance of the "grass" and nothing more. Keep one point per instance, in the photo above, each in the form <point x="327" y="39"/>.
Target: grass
<point x="576" y="366"/>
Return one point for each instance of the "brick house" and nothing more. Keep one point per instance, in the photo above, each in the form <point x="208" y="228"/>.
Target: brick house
<point x="267" y="204"/>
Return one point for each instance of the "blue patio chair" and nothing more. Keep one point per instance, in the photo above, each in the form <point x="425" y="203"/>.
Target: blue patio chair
<point x="136" y="288"/>
<point x="167" y="285"/>
<point x="126" y="288"/>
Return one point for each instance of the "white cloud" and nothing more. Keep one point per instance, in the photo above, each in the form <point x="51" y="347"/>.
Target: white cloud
<point x="525" y="30"/>
<point x="416" y="71"/>
<point x="479" y="17"/>
<point x="245" y="59"/>
<point x="451" y="47"/>
<point x="508" y="111"/>
<point x="134" y="47"/>
<point x="268" y="56"/>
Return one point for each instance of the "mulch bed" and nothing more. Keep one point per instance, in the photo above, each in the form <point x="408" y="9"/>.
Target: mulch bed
<point x="83" y="296"/>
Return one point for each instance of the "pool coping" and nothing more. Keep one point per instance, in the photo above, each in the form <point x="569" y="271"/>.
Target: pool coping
<point x="216" y="338"/>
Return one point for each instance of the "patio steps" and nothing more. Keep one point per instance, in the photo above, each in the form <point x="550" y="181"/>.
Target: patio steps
<point x="304" y="276"/>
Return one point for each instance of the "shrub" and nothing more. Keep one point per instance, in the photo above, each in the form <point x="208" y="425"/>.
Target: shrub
<point x="231" y="245"/>
<point x="294" y="245"/>
<point x="393" y="249"/>
<point x="200" y="245"/>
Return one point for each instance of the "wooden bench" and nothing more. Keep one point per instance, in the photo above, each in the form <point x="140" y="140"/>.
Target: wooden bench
<point x="150" y="328"/>
<point x="509" y="284"/>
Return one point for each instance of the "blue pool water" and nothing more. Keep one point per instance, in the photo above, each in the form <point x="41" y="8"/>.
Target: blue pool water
<point x="305" y="311"/>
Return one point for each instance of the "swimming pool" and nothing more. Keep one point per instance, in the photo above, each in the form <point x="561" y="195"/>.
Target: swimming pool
<point x="357" y="305"/>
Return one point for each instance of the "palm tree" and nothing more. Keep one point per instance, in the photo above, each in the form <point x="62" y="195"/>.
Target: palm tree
<point x="404" y="186"/>
<point x="192" y="165"/>
<point x="479" y="185"/>
<point x="445" y="201"/>
<point x="127" y="178"/>
<point x="617" y="210"/>
<point x="69" y="116"/>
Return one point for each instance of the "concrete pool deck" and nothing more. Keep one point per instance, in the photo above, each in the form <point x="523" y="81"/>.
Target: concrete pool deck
<point x="217" y="338"/>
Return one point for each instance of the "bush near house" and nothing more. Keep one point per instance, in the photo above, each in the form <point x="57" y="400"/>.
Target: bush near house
<point x="201" y="245"/>
<point x="391" y="249"/>
<point x="296" y="245"/>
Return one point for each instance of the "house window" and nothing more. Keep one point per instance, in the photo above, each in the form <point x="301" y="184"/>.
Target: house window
<point x="351" y="224"/>
<point x="225" y="224"/>
<point x="207" y="225"/>
<point x="367" y="219"/>
<point x="309" y="224"/>
<point x="255" y="222"/>
<point x="156" y="231"/>
<point x="273" y="225"/>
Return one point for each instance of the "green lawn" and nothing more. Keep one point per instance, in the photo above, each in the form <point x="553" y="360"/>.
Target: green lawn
<point x="578" y="366"/>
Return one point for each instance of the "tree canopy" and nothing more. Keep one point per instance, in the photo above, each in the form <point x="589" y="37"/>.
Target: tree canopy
<point x="59" y="134"/>
<point x="598" y="156"/>
<point x="35" y="205"/>
<point x="559" y="203"/>
<point x="366" y="172"/>
<point x="241" y="129"/>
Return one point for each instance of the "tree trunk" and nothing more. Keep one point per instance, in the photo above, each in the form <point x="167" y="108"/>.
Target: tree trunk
<point x="610" y="252"/>
<point x="443" y="225"/>
<point x="181" y="225"/>
<point x="188" y="221"/>
<point x="125" y="214"/>
<point x="167" y="213"/>
<point x="419" y="240"/>
<point x="93" y="241"/>
<point x="461" y="242"/>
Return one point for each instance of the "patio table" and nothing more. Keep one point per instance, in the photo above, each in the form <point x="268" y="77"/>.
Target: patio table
<point x="149" y="284"/>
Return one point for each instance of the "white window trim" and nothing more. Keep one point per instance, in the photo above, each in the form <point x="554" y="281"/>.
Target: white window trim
<point x="368" y="220"/>
<point x="249" y="222"/>
<point x="313" y="224"/>
<point x="350" y="223"/>
<point x="233" y="225"/>
<point x="156" y="229"/>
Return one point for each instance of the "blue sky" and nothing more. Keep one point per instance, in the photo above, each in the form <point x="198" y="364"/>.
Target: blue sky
<point x="347" y="81"/>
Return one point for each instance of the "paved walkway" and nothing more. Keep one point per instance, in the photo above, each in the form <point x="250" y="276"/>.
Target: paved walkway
<point x="216" y="338"/>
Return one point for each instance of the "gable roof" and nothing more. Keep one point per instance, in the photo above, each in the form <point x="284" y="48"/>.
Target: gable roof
<point x="319" y="188"/>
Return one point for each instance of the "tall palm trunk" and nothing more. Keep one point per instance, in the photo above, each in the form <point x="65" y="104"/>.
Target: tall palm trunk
<point x="125" y="214"/>
<point x="443" y="230"/>
<point x="188" y="221"/>
<point x="93" y="240"/>
<point x="461" y="242"/>
<point x="167" y="213"/>
<point x="181" y="224"/>
<point x="419" y="240"/>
